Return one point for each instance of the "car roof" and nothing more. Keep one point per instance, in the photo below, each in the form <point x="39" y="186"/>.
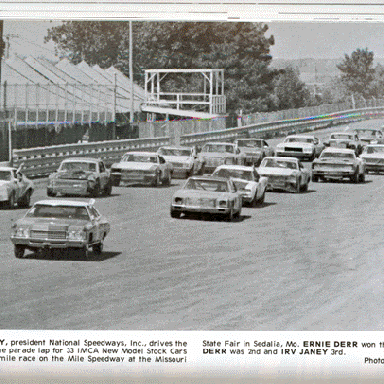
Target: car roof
<point x="71" y="203"/>
<point x="338" y="150"/>
<point x="238" y="167"/>
<point x="170" y="147"/>
<point x="375" y="145"/>
<point x="7" y="169"/>
<point x="301" y="136"/>
<point x="85" y="159"/>
<point x="220" y="143"/>
<point x="342" y="133"/>
<point x="367" y="129"/>
<point x="141" y="153"/>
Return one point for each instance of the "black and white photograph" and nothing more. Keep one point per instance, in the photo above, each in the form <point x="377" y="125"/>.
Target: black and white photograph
<point x="192" y="176"/>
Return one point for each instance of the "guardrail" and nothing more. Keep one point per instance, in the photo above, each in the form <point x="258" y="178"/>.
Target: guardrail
<point x="45" y="160"/>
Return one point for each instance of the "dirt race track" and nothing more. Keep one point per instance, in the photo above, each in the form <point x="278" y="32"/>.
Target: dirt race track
<point x="309" y="261"/>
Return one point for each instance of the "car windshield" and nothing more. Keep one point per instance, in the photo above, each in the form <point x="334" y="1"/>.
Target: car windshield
<point x="369" y="133"/>
<point x="207" y="185"/>
<point x="140" y="158"/>
<point x="5" y="175"/>
<point x="58" y="211"/>
<point x="250" y="143"/>
<point x="235" y="173"/>
<point x="78" y="166"/>
<point x="341" y="136"/>
<point x="298" y="140"/>
<point x="336" y="155"/>
<point x="174" y="152"/>
<point x="371" y="150"/>
<point x="273" y="163"/>
<point x="221" y="148"/>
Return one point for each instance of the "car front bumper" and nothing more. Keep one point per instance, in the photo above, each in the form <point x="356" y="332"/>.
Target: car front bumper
<point x="199" y="209"/>
<point x="48" y="243"/>
<point x="333" y="174"/>
<point x="299" y="155"/>
<point x="73" y="187"/>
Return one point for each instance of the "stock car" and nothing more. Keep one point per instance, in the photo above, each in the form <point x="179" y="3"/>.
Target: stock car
<point x="373" y="155"/>
<point x="285" y="173"/>
<point x="208" y="195"/>
<point x="338" y="163"/>
<point x="184" y="160"/>
<point x="348" y="140"/>
<point x="80" y="176"/>
<point x="15" y="188"/>
<point x="369" y="135"/>
<point x="141" y="168"/>
<point x="248" y="182"/>
<point x="300" y="146"/>
<point x="57" y="223"/>
<point x="254" y="150"/>
<point x="214" y="154"/>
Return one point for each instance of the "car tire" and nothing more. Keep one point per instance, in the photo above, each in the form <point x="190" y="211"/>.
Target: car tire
<point x="11" y="201"/>
<point x="362" y="178"/>
<point x="298" y="185"/>
<point x="202" y="170"/>
<point x="168" y="180"/>
<point x="27" y="199"/>
<point x="98" y="248"/>
<point x="355" y="177"/>
<point x="19" y="251"/>
<point x="175" y="214"/>
<point x="312" y="157"/>
<point x="156" y="180"/>
<point x="108" y="189"/>
<point x="315" y="178"/>
<point x="96" y="190"/>
<point x="304" y="188"/>
<point x="229" y="216"/>
<point x="84" y="253"/>
<point x="50" y="193"/>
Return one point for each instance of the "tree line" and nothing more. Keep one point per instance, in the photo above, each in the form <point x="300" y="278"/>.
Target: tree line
<point x="241" y="49"/>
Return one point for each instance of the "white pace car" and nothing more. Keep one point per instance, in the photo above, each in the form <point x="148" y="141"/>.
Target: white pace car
<point x="248" y="182"/>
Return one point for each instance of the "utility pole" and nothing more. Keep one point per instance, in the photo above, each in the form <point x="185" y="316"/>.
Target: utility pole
<point x="2" y="45"/>
<point x="131" y="70"/>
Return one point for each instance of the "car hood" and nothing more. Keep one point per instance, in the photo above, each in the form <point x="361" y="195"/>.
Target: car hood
<point x="178" y="159"/>
<point x="276" y="171"/>
<point x="135" y="166"/>
<point x="296" y="144"/>
<point x="5" y="183"/>
<point x="43" y="222"/>
<point x="373" y="156"/>
<point x="216" y="154"/>
<point x="201" y="194"/>
<point x="78" y="175"/>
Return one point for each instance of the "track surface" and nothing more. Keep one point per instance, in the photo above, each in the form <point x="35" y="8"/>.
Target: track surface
<point x="310" y="261"/>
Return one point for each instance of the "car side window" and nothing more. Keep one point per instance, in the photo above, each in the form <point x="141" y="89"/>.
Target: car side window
<point x="14" y="174"/>
<point x="101" y="166"/>
<point x="232" y="187"/>
<point x="161" y="160"/>
<point x="265" y="144"/>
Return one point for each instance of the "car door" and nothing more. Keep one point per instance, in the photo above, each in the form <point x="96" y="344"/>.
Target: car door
<point x="95" y="217"/>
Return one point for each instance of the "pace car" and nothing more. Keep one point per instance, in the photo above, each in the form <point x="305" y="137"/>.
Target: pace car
<point x="141" y="168"/>
<point x="248" y="182"/>
<point x="285" y="173"/>
<point x="338" y="163"/>
<point x="59" y="223"/>
<point x="300" y="146"/>
<point x="209" y="195"/>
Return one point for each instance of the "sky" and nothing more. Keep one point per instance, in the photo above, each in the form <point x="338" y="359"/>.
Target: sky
<point x="293" y="40"/>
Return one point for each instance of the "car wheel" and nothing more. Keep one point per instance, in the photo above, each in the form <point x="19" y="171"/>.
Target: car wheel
<point x="315" y="178"/>
<point x="229" y="217"/>
<point x="108" y="189"/>
<point x="156" y="181"/>
<point x="11" y="201"/>
<point x="98" y="248"/>
<point x="50" y="193"/>
<point x="96" y="190"/>
<point x="304" y="188"/>
<point x="168" y="180"/>
<point x="84" y="253"/>
<point x="202" y="170"/>
<point x="27" y="199"/>
<point x="355" y="177"/>
<point x="312" y="157"/>
<point x="298" y="185"/>
<point x="175" y="214"/>
<point x="19" y="251"/>
<point x="362" y="178"/>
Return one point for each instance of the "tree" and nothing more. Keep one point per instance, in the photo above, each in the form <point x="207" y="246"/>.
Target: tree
<point x="242" y="49"/>
<point x="290" y="91"/>
<point x="358" y="72"/>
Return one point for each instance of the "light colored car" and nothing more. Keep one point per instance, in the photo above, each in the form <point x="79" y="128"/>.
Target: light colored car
<point x="300" y="146"/>
<point x="248" y="182"/>
<point x="373" y="155"/>
<point x="254" y="150"/>
<point x="285" y="173"/>
<point x="348" y="140"/>
<point x="15" y="188"/>
<point x="215" y="154"/>
<point x="207" y="194"/>
<point x="338" y="163"/>
<point x="57" y="223"/>
<point x="369" y="135"/>
<point x="141" y="168"/>
<point x="80" y="176"/>
<point x="183" y="159"/>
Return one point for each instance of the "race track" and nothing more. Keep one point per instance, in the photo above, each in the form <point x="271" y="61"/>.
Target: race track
<point x="309" y="261"/>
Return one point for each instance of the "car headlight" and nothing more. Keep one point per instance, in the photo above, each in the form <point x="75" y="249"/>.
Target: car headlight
<point x="222" y="203"/>
<point x="22" y="232"/>
<point x="76" y="234"/>
<point x="178" y="200"/>
<point x="307" y="150"/>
